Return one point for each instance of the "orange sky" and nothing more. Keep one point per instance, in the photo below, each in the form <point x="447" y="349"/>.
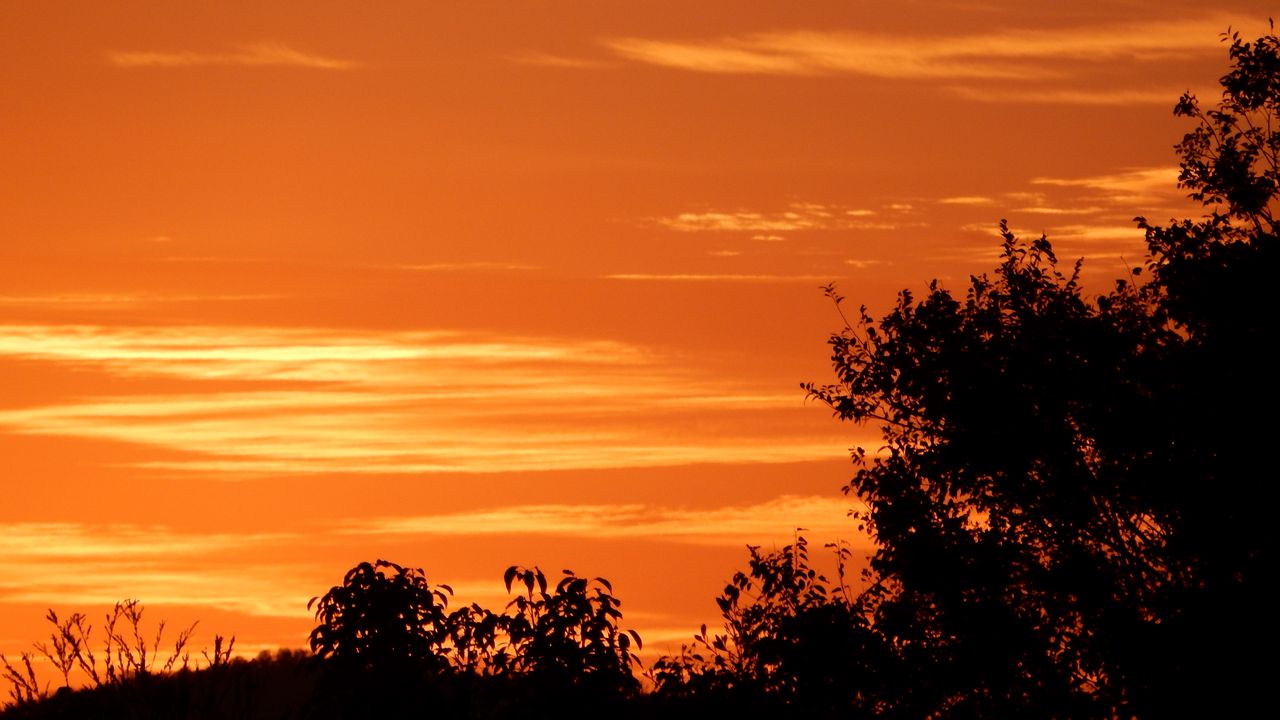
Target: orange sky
<point x="283" y="289"/>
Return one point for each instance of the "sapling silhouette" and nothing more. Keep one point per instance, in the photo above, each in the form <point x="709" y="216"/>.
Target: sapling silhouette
<point x="570" y="634"/>
<point x="382" y="614"/>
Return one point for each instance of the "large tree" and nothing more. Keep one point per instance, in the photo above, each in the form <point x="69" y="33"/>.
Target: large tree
<point x="1072" y="500"/>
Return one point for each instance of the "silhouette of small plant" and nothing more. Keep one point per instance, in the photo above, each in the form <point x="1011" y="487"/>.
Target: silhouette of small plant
<point x="24" y="687"/>
<point x="64" y="645"/>
<point x="222" y="648"/>
<point x="133" y="655"/>
<point x="128" y="652"/>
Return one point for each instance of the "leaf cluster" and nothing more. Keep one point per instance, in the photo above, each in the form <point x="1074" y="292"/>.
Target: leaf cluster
<point x="385" y="615"/>
<point x="792" y="641"/>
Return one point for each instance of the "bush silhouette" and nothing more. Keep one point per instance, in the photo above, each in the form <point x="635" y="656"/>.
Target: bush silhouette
<point x="382" y="614"/>
<point x="793" y="642"/>
<point x="570" y="634"/>
<point x="386" y="616"/>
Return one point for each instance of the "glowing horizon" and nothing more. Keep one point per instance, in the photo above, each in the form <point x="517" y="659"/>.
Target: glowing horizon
<point x="476" y="286"/>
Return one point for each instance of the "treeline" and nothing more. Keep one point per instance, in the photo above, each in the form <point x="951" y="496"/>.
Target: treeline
<point x="386" y="643"/>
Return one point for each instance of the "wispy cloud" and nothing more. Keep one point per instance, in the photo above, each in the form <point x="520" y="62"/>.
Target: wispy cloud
<point x="745" y="221"/>
<point x="1127" y="186"/>
<point x="713" y="277"/>
<point x="331" y="401"/>
<point x="257" y="55"/>
<point x="825" y="516"/>
<point x="1138" y="179"/>
<point x="60" y="564"/>
<point x="1107" y="234"/>
<point x="1099" y="233"/>
<point x="1022" y="54"/>
<point x="1045" y="210"/>
<point x="47" y="540"/>
<point x="104" y="301"/>
<point x="206" y="352"/>
<point x="967" y="200"/>
<point x="1088" y="215"/>
<point x="254" y="590"/>
<point x="797" y="216"/>
<point x="863" y="264"/>
<point x="482" y="266"/>
<point x="1071" y="96"/>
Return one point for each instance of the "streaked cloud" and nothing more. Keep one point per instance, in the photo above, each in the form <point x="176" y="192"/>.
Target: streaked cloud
<point x="107" y="301"/>
<point x="394" y="403"/>
<point x="863" y="264"/>
<point x="820" y="516"/>
<point x="1101" y="233"/>
<point x="48" y="540"/>
<point x="711" y="277"/>
<point x="797" y="216"/>
<point x="205" y="352"/>
<point x="470" y="266"/>
<point x="1070" y="96"/>
<point x="1125" y="187"/>
<point x="1014" y="54"/>
<point x="254" y="590"/>
<point x="1042" y="210"/>
<point x="75" y="565"/>
<point x="256" y="55"/>
<point x="967" y="200"/>
<point x="745" y="221"/>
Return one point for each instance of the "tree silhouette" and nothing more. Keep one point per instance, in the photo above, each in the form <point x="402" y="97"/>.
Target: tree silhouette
<point x="1071" y="504"/>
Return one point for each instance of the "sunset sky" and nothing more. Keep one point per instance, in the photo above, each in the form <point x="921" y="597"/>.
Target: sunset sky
<point x="463" y="286"/>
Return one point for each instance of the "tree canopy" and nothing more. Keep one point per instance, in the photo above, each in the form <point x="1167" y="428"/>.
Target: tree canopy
<point x="1071" y="503"/>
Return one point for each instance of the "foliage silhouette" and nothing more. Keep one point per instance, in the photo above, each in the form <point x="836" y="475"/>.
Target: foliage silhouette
<point x="382" y="614"/>
<point x="385" y="628"/>
<point x="382" y="633"/>
<point x="385" y="614"/>
<point x="1071" y="501"/>
<point x="561" y="648"/>
<point x="793" y="643"/>
<point x="570" y="634"/>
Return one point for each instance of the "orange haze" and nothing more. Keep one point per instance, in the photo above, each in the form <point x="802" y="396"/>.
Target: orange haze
<point x="284" y="287"/>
